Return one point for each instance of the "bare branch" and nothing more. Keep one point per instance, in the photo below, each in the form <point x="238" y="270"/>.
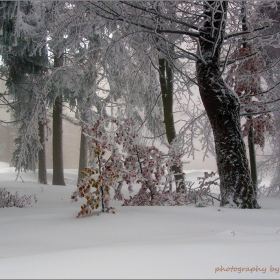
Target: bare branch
<point x="227" y="36"/>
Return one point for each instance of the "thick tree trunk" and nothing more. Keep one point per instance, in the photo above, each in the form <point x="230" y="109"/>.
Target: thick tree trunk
<point x="166" y="83"/>
<point x="58" y="172"/>
<point x="83" y="160"/>
<point x="223" y="109"/>
<point x="42" y="169"/>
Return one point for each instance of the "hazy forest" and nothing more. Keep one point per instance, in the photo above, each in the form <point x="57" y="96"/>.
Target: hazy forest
<point x="128" y="69"/>
<point x="150" y="87"/>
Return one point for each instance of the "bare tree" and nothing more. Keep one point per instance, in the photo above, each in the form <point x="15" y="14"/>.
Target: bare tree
<point x="221" y="103"/>
<point x="223" y="109"/>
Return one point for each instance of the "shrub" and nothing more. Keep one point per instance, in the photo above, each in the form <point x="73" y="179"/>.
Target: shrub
<point x="199" y="196"/>
<point x="14" y="200"/>
<point x="120" y="159"/>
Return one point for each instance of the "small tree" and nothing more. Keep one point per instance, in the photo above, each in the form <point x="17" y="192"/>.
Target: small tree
<point x="130" y="163"/>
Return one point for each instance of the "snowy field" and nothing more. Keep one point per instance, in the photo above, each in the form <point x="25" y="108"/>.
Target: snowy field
<point x="46" y="240"/>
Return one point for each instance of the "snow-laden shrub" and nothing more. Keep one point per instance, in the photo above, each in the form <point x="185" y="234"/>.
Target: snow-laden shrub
<point x="14" y="200"/>
<point x="200" y="196"/>
<point x="121" y="159"/>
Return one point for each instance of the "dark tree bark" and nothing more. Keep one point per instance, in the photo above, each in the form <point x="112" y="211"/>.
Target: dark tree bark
<point x="42" y="169"/>
<point x="252" y="156"/>
<point x="223" y="110"/>
<point x="166" y="83"/>
<point x="58" y="172"/>
<point x="83" y="160"/>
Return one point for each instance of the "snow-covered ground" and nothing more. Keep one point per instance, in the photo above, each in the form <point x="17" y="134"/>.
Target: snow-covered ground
<point x="46" y="240"/>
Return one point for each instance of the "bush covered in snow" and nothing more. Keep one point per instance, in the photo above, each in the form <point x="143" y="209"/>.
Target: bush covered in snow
<point x="199" y="196"/>
<point x="121" y="159"/>
<point x="14" y="200"/>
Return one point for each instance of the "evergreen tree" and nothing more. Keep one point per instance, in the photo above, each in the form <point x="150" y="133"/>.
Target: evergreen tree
<point x="25" y="58"/>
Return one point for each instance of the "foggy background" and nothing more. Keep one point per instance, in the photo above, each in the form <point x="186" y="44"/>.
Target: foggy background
<point x="71" y="143"/>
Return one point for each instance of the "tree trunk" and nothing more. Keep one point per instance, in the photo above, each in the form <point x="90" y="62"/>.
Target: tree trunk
<point x="83" y="160"/>
<point x="42" y="169"/>
<point x="251" y="144"/>
<point x="223" y="109"/>
<point x="274" y="188"/>
<point x="252" y="156"/>
<point x="58" y="173"/>
<point x="166" y="83"/>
